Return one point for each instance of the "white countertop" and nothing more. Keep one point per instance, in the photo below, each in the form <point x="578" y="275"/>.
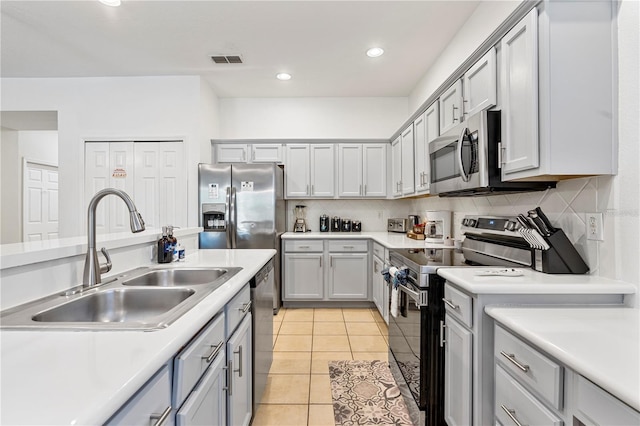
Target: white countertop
<point x="83" y="377"/>
<point x="532" y="282"/>
<point x="388" y="239"/>
<point x="601" y="344"/>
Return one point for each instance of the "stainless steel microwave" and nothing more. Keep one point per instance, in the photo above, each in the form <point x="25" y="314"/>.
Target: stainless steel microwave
<point x="465" y="160"/>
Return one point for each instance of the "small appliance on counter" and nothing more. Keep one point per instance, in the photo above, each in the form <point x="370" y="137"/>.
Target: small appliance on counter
<point x="336" y="224"/>
<point x="346" y="225"/>
<point x="324" y="223"/>
<point x="300" y="223"/>
<point x="400" y="225"/>
<point x="414" y="220"/>
<point x="437" y="226"/>
<point x="356" y="226"/>
<point x="417" y="232"/>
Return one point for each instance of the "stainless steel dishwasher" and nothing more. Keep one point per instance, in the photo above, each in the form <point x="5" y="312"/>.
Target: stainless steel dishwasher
<point x="262" y="289"/>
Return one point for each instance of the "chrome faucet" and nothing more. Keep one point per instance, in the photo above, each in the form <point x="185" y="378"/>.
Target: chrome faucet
<point x="93" y="269"/>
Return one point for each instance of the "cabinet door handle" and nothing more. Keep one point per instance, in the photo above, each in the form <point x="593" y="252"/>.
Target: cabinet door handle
<point x="514" y="361"/>
<point x="214" y="352"/>
<point x="453" y="113"/>
<point x="321" y="261"/>
<point x="442" y="339"/>
<point x="312" y="190"/>
<point x="331" y="261"/>
<point x="161" y="418"/>
<point x="451" y="304"/>
<point x="307" y="190"/>
<point x="360" y="190"/>
<point x="244" y="155"/>
<point x="229" y="368"/>
<point x="239" y="352"/>
<point x="245" y="307"/>
<point x="365" y="189"/>
<point x="511" y="413"/>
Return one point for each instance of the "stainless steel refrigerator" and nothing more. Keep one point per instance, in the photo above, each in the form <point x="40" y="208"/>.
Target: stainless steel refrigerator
<point x="242" y="206"/>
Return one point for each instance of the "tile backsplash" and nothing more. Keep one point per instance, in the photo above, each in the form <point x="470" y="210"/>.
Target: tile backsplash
<point x="566" y="207"/>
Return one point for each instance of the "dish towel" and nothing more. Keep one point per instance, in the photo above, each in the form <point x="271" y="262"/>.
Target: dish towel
<point x="396" y="277"/>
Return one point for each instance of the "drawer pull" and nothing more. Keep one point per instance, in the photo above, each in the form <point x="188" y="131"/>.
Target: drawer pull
<point x="214" y="352"/>
<point x="161" y="418"/>
<point x="304" y="247"/>
<point x="450" y="304"/>
<point x="349" y="247"/>
<point x="245" y="307"/>
<point x="512" y="358"/>
<point x="512" y="414"/>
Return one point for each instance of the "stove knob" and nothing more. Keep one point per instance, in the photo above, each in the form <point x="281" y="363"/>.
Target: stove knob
<point x="472" y="223"/>
<point x="465" y="222"/>
<point x="510" y="225"/>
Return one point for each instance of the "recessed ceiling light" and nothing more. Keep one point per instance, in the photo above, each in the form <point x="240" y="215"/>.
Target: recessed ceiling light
<point x="283" y="76"/>
<point x="113" y="3"/>
<point x="374" y="52"/>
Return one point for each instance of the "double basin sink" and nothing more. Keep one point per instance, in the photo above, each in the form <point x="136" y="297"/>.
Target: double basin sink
<point x="141" y="299"/>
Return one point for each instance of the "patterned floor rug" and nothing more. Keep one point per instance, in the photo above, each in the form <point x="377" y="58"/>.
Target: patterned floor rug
<point x="365" y="393"/>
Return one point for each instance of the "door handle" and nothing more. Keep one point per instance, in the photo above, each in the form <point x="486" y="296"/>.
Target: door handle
<point x="450" y="304"/>
<point x="214" y="353"/>
<point x="227" y="216"/>
<point x="461" y="139"/>
<point x="229" y="368"/>
<point x="442" y="339"/>
<point x="239" y="352"/>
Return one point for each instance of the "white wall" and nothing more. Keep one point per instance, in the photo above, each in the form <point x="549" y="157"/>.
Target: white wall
<point x="114" y="109"/>
<point x="39" y="145"/>
<point x="484" y="20"/>
<point x="316" y="118"/>
<point x="10" y="197"/>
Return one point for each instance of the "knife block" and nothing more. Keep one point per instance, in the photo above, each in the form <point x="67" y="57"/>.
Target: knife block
<point x="561" y="257"/>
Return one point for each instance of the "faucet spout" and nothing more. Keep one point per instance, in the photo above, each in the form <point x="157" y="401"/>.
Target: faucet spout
<point x="92" y="268"/>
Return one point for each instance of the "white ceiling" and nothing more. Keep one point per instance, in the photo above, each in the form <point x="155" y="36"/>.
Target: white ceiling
<point x="321" y="43"/>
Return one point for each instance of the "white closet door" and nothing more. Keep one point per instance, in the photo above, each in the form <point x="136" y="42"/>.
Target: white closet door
<point x="173" y="184"/>
<point x="146" y="185"/>
<point x="121" y="177"/>
<point x="40" y="202"/>
<point x="96" y="177"/>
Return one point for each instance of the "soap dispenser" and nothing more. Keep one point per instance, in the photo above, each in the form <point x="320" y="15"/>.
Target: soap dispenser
<point x="174" y="243"/>
<point x="165" y="249"/>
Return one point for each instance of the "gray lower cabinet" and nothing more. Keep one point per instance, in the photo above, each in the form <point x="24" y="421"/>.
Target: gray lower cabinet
<point x="348" y="276"/>
<point x="239" y="370"/>
<point x="329" y="270"/>
<point x="149" y="405"/>
<point x="304" y="276"/>
<point x="457" y="373"/>
<point x="207" y="405"/>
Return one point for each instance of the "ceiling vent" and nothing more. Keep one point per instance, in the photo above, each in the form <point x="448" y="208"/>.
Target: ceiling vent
<point x="227" y="59"/>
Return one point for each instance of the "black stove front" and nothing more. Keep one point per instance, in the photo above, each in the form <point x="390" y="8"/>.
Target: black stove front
<point x="416" y="357"/>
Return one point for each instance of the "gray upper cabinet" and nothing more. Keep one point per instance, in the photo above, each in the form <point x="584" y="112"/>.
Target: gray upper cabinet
<point x="451" y="107"/>
<point x="519" y="84"/>
<point x="362" y="170"/>
<point x="425" y="129"/>
<point x="232" y="153"/>
<point x="557" y="92"/>
<point x="479" y="85"/>
<point x="248" y="153"/>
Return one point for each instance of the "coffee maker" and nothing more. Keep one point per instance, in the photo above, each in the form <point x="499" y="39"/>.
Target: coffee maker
<point x="300" y="223"/>
<point x="438" y="226"/>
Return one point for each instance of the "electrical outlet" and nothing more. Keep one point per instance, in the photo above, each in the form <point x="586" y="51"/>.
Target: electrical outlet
<point x="594" y="227"/>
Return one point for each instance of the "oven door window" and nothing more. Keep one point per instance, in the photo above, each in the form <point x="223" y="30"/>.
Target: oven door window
<point x="404" y="341"/>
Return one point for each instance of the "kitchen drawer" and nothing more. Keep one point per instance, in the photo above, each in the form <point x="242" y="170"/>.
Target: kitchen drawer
<point x="192" y="361"/>
<point x="598" y="406"/>
<point x="236" y="309"/>
<point x="349" y="246"/>
<point x="379" y="251"/>
<point x="304" y="245"/>
<point x="542" y="374"/>
<point x="523" y="406"/>
<point x="459" y="304"/>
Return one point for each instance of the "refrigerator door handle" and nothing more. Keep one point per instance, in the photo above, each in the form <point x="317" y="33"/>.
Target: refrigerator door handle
<point x="234" y="218"/>
<point x="227" y="216"/>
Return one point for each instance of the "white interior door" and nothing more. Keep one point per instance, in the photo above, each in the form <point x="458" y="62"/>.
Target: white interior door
<point x="96" y="178"/>
<point x="121" y="177"/>
<point x="146" y="185"/>
<point x="173" y="184"/>
<point x="39" y="201"/>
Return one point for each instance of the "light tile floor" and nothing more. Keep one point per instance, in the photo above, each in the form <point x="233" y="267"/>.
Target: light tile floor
<point x="298" y="390"/>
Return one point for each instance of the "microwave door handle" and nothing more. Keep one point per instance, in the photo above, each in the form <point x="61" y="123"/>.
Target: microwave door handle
<point x="465" y="177"/>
